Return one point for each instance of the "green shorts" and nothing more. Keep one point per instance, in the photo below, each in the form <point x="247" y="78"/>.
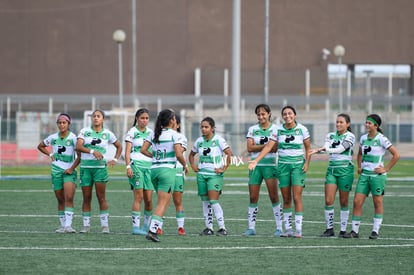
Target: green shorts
<point x="59" y="177"/>
<point x="179" y="180"/>
<point x="343" y="177"/>
<point x="163" y="179"/>
<point x="207" y="183"/>
<point x="89" y="176"/>
<point x="291" y="174"/>
<point x="374" y="184"/>
<point x="258" y="174"/>
<point x="141" y="178"/>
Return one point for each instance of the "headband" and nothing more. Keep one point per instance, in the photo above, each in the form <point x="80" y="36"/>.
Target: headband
<point x="372" y="120"/>
<point x="65" y="117"/>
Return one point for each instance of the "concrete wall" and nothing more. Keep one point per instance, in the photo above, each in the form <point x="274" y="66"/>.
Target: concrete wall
<point x="66" y="47"/>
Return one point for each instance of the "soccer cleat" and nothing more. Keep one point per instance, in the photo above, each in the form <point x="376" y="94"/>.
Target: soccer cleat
<point x="181" y="231"/>
<point x="138" y="231"/>
<point x="69" y="229"/>
<point x="341" y="234"/>
<point x="152" y="237"/>
<point x="374" y="235"/>
<point x="221" y="232"/>
<point x="85" y="229"/>
<point x="278" y="233"/>
<point x="250" y="232"/>
<point x="351" y="235"/>
<point x="105" y="229"/>
<point x="298" y="234"/>
<point x="159" y="231"/>
<point x="207" y="232"/>
<point x="287" y="234"/>
<point x="328" y="233"/>
<point x="60" y="230"/>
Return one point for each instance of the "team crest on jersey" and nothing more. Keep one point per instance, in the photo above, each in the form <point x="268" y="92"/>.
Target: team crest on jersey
<point x="297" y="132"/>
<point x="68" y="143"/>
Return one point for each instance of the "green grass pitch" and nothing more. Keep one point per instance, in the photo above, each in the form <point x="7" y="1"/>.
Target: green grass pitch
<point x="28" y="244"/>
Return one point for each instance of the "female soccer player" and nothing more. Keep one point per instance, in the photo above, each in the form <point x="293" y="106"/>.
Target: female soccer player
<point x="214" y="158"/>
<point x="340" y="173"/>
<point x="93" y="143"/>
<point x="373" y="174"/>
<point x="257" y="137"/>
<point x="138" y="171"/>
<point x="166" y="150"/>
<point x="64" y="159"/>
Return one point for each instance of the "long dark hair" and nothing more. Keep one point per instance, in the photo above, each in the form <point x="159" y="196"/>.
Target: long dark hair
<point x="138" y="113"/>
<point x="264" y="107"/>
<point x="100" y="111"/>
<point x="178" y="121"/>
<point x="163" y="119"/>
<point x="210" y="121"/>
<point x="288" y="107"/>
<point x="378" y="121"/>
<point x="347" y="119"/>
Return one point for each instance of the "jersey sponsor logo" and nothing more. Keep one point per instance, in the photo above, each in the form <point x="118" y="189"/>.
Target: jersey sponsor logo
<point x="61" y="149"/>
<point x="96" y="141"/>
<point x="335" y="144"/>
<point x="289" y="138"/>
<point x="206" y="151"/>
<point x="263" y="140"/>
<point x="366" y="149"/>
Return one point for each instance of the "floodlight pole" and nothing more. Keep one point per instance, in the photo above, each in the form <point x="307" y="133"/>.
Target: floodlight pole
<point x="119" y="37"/>
<point x="339" y="52"/>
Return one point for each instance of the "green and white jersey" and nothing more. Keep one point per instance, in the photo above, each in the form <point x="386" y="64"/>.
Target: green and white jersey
<point x="136" y="137"/>
<point x="210" y="153"/>
<point x="261" y="136"/>
<point x="98" y="141"/>
<point x="64" y="149"/>
<point x="373" y="151"/>
<point x="337" y="142"/>
<point x="163" y="152"/>
<point x="183" y="142"/>
<point x="290" y="143"/>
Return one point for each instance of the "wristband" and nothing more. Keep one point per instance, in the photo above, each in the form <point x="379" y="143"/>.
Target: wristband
<point x="115" y="159"/>
<point x="91" y="151"/>
<point x="51" y="155"/>
<point x="128" y="166"/>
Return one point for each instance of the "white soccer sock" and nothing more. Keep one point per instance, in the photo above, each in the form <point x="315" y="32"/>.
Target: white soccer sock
<point x="377" y="224"/>
<point x="252" y="215"/>
<point x="180" y="222"/>
<point x="218" y="213"/>
<point x="104" y="217"/>
<point x="61" y="216"/>
<point x="278" y="214"/>
<point x="329" y="216"/>
<point x="355" y="225"/>
<point x="147" y="219"/>
<point x="136" y="218"/>
<point x="86" y="220"/>
<point x="298" y="222"/>
<point x="208" y="214"/>
<point x="287" y="218"/>
<point x="68" y="217"/>
<point x="344" y="219"/>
